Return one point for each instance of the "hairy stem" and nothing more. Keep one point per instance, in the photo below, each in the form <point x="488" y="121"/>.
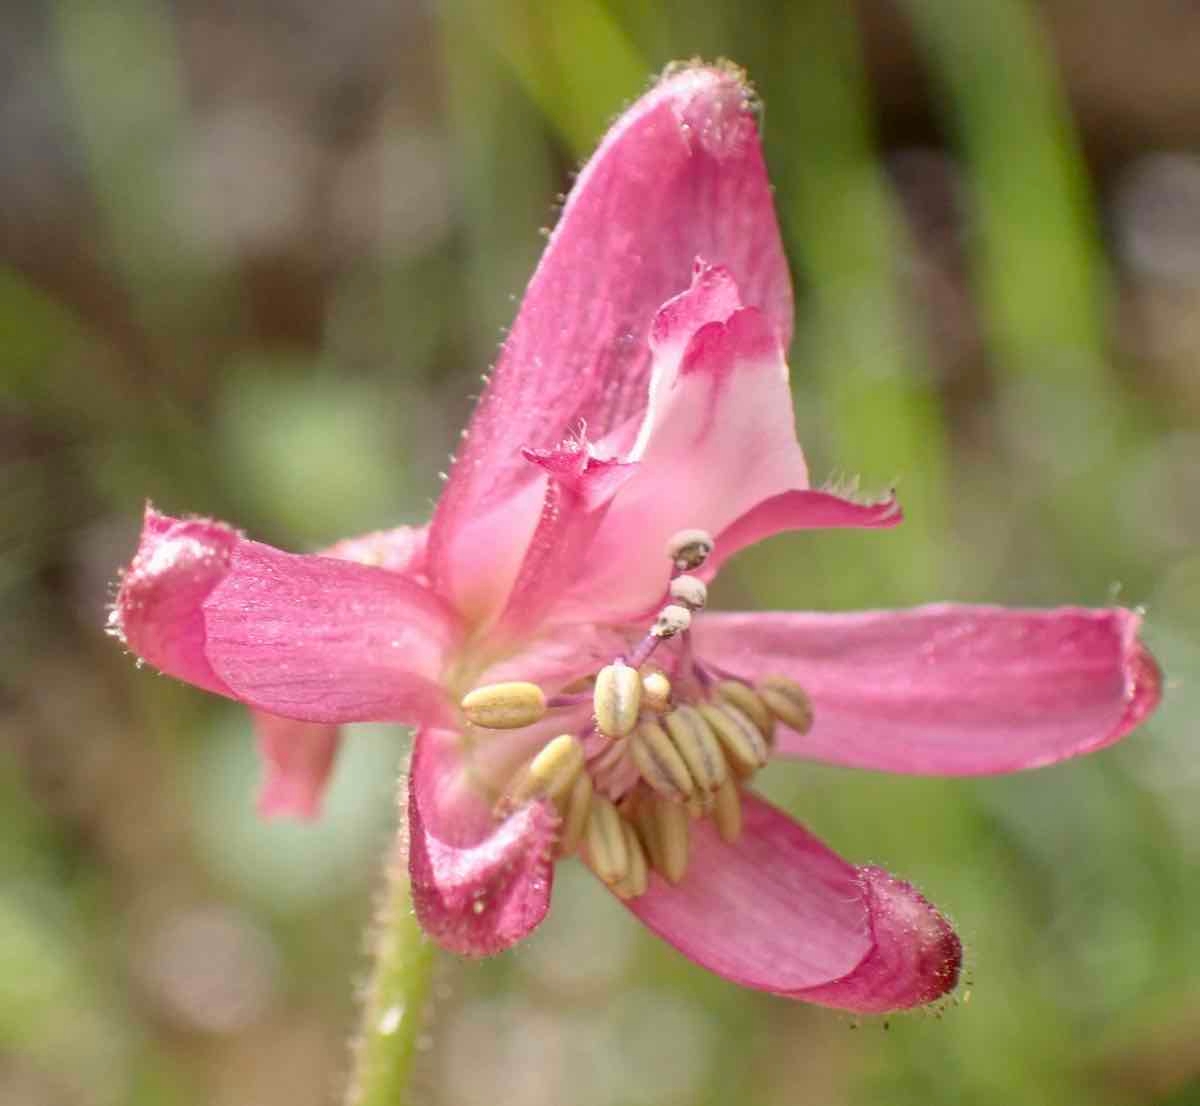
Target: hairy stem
<point x="392" y="1013"/>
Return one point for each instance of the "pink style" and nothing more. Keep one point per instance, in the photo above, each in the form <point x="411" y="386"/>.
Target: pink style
<point x="546" y="636"/>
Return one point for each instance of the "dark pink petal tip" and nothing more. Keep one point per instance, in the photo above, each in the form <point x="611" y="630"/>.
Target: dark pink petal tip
<point x="915" y="955"/>
<point x="482" y="899"/>
<point x="305" y="637"/>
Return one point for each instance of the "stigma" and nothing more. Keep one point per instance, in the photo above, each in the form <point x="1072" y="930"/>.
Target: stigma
<point x="671" y="740"/>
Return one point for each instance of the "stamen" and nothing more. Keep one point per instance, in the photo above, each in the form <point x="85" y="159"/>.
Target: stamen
<point x="660" y="762"/>
<point x="727" y="812"/>
<point x="606" y="848"/>
<point x="748" y="702"/>
<point x="743" y="743"/>
<point x="672" y="619"/>
<point x="689" y="549"/>
<point x="697" y="744"/>
<point x="552" y="772"/>
<point x="633" y="883"/>
<point x="689" y="591"/>
<point x="788" y="701"/>
<point x="578" y="803"/>
<point x="506" y="706"/>
<point x="671" y="831"/>
<point x="656" y="692"/>
<point x="617" y="699"/>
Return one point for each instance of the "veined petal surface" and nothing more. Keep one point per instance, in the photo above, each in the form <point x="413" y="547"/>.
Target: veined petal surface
<point x="779" y="911"/>
<point x="679" y="175"/>
<point x="305" y="637"/>
<point x="948" y="689"/>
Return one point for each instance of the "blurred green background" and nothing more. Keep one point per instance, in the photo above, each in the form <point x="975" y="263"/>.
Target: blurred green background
<point x="253" y="259"/>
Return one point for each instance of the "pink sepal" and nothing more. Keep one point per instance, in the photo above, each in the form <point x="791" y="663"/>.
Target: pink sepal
<point x="947" y="689"/>
<point x="297" y="760"/>
<point x="305" y="637"/>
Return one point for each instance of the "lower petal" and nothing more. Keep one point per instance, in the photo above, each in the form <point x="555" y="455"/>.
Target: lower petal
<point x="297" y="761"/>
<point x="478" y="886"/>
<point x="948" y="689"/>
<point x="779" y="911"/>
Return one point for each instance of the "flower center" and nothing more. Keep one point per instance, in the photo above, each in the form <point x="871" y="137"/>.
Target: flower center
<point x="671" y="740"/>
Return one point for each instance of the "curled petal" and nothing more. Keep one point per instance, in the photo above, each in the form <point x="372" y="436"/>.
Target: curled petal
<point x="305" y="637"/>
<point x="718" y="439"/>
<point x="800" y="509"/>
<point x="948" y="689"/>
<point x="680" y="175"/>
<point x="297" y="760"/>
<point x="779" y="911"/>
<point x="478" y="887"/>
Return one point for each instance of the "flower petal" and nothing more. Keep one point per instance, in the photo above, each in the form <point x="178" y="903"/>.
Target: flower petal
<point x="779" y="911"/>
<point x="478" y="887"/>
<point x="718" y="439"/>
<point x="297" y="760"/>
<point x="946" y="689"/>
<point x="306" y="637"/>
<point x="401" y="549"/>
<point x="800" y="510"/>
<point x="680" y="174"/>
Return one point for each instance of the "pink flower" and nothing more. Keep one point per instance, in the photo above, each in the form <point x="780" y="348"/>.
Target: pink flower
<point x="642" y="392"/>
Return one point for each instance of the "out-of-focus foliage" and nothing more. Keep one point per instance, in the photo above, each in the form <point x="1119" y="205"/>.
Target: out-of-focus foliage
<point x="253" y="259"/>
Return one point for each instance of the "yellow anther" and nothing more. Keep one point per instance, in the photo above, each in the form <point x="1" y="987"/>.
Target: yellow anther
<point x="698" y="745"/>
<point x="690" y="592"/>
<point x="633" y="883"/>
<point x="689" y="549"/>
<point x="552" y="772"/>
<point x="746" y="700"/>
<point x="660" y="763"/>
<point x="507" y="706"/>
<point x="671" y="831"/>
<point x="605" y="845"/>
<point x="743" y="743"/>
<point x="727" y="811"/>
<point x="575" y="814"/>
<point x="788" y="701"/>
<point x="672" y="619"/>
<point x="617" y="699"/>
<point x="656" y="692"/>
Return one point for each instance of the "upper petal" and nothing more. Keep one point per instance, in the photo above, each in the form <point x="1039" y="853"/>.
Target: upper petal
<point x="306" y="637"/>
<point x="779" y="911"/>
<point x="718" y="439"/>
<point x="680" y="174"/>
<point x="947" y="689"/>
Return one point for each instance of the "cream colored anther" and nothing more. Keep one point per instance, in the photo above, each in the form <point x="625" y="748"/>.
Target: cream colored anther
<point x="660" y="763"/>
<point x="727" y="811"/>
<point x="741" y="740"/>
<point x="749" y="703"/>
<point x="506" y="706"/>
<point x="575" y="814"/>
<point x="697" y="744"/>
<point x="689" y="591"/>
<point x="633" y="883"/>
<point x="667" y="825"/>
<point x="788" y="701"/>
<point x="689" y="549"/>
<point x="605" y="845"/>
<point x="656" y="692"/>
<point x="672" y="619"/>
<point x="617" y="698"/>
<point x="552" y="772"/>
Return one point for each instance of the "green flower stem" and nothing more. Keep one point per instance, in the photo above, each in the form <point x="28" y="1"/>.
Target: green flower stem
<point x="392" y="1015"/>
